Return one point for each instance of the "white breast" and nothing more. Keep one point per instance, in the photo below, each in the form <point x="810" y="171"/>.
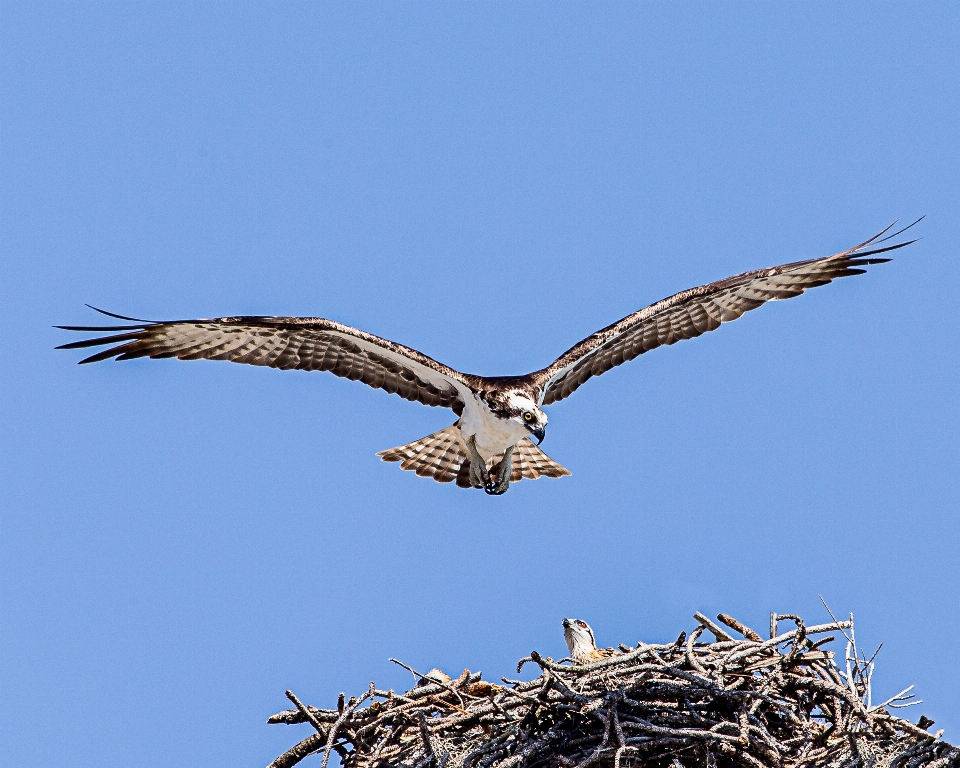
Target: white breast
<point x="493" y="435"/>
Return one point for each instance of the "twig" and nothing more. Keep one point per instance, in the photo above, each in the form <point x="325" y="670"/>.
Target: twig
<point x="739" y="627"/>
<point x="717" y="632"/>
<point x="899" y="697"/>
<point x="306" y="713"/>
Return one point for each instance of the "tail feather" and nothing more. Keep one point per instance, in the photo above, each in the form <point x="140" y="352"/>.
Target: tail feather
<point x="443" y="457"/>
<point x="529" y="463"/>
<point x="439" y="455"/>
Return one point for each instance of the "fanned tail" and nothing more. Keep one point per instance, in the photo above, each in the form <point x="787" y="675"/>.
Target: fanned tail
<point x="529" y="463"/>
<point x="440" y="455"/>
<point x="443" y="457"/>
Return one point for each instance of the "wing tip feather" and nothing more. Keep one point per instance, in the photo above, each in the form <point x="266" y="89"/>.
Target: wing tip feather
<point x="105" y="355"/>
<point x="121" y="317"/>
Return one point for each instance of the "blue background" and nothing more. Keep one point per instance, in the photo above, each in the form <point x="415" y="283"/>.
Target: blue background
<point x="488" y="183"/>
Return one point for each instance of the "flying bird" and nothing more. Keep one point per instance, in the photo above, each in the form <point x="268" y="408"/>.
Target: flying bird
<point x="492" y="442"/>
<point x="581" y="643"/>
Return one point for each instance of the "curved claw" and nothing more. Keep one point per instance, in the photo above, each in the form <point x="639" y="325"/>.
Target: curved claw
<point x="480" y="477"/>
<point x="495" y="488"/>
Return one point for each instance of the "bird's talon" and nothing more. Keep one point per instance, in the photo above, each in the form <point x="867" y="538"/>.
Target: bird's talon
<point x="496" y="487"/>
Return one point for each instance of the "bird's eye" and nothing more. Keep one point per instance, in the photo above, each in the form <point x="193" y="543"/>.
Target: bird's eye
<point x="528" y="416"/>
<point x="582" y="624"/>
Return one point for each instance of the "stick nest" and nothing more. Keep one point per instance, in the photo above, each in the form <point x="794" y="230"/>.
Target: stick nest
<point x="753" y="703"/>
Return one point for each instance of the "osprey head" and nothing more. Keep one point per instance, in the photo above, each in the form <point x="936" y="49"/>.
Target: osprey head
<point x="524" y="411"/>
<point x="579" y="637"/>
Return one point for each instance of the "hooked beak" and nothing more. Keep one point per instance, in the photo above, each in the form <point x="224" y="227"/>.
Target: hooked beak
<point x="539" y="433"/>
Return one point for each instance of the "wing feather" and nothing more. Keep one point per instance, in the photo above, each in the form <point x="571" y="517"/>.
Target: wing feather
<point x="288" y="343"/>
<point x="689" y="314"/>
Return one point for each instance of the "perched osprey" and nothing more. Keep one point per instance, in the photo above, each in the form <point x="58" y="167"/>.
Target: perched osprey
<point x="581" y="644"/>
<point x="490" y="444"/>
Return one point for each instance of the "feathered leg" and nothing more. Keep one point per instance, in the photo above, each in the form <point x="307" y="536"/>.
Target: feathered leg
<point x="479" y="477"/>
<point x="503" y="471"/>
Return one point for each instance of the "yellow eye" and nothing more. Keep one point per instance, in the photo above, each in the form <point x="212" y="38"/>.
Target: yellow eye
<point x="528" y="416"/>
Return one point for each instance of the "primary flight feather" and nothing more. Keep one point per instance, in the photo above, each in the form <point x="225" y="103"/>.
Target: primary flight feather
<point x="490" y="444"/>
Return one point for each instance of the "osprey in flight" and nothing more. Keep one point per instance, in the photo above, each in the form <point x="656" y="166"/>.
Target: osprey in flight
<point x="491" y="443"/>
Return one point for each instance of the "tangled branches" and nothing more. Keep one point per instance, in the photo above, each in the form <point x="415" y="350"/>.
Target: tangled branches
<point x="747" y="703"/>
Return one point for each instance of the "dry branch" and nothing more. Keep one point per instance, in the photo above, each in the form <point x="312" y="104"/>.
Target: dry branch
<point x="750" y="703"/>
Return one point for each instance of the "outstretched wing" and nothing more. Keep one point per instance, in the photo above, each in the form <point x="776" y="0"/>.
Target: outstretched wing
<point x="298" y="343"/>
<point x="694" y="312"/>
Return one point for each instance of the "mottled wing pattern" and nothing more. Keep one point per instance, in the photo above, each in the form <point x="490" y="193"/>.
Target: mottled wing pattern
<point x="439" y="455"/>
<point x="696" y="311"/>
<point x="289" y="343"/>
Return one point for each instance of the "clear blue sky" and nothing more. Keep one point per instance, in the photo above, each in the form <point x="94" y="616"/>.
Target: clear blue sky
<point x="488" y="183"/>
